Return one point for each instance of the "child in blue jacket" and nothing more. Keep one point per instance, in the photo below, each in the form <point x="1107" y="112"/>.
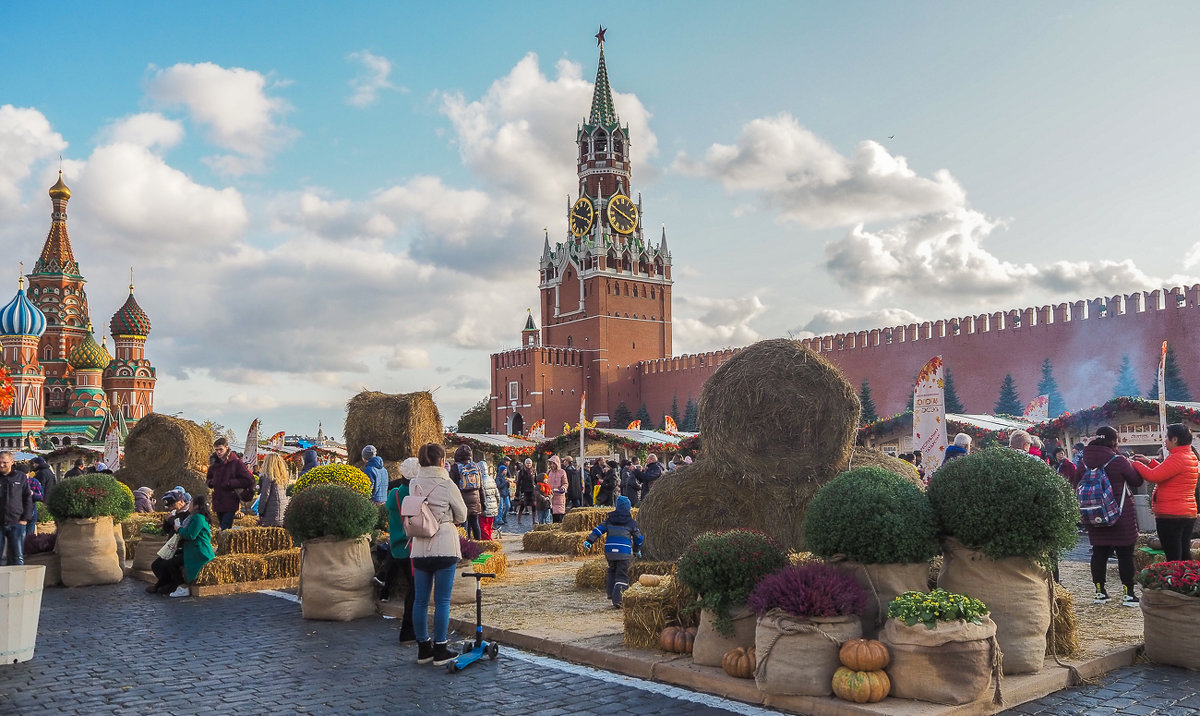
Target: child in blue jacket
<point x="623" y="540"/>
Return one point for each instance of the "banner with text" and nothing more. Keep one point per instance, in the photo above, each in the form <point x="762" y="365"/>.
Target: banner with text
<point x="929" y="413"/>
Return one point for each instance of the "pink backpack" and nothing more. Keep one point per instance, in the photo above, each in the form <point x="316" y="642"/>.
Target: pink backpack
<point x="418" y="519"/>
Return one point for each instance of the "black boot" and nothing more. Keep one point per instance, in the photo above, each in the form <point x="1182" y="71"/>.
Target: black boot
<point x="425" y="651"/>
<point x="443" y="654"/>
<point x="407" y="635"/>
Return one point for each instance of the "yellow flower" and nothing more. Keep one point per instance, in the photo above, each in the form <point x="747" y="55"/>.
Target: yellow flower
<point x="337" y="474"/>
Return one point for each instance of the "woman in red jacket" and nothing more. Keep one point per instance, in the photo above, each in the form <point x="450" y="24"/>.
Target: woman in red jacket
<point x="1174" y="493"/>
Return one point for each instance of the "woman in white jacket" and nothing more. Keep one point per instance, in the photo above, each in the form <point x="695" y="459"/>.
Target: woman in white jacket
<point x="491" y="502"/>
<point x="435" y="558"/>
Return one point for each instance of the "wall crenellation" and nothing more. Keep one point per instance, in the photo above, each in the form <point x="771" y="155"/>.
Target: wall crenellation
<point x="690" y="361"/>
<point x="1100" y="308"/>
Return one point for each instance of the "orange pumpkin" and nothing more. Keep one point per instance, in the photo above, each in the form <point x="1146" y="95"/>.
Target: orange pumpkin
<point x="861" y="687"/>
<point x="739" y="662"/>
<point x="650" y="580"/>
<point x="864" y="655"/>
<point x="677" y="639"/>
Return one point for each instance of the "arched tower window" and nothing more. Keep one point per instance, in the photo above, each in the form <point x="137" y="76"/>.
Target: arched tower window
<point x="583" y="148"/>
<point x="570" y="341"/>
<point x="600" y="142"/>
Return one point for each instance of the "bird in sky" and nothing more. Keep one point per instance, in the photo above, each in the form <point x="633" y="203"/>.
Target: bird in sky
<point x="891" y="136"/>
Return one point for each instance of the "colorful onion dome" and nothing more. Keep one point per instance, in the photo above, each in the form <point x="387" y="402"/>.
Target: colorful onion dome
<point x="21" y="318"/>
<point x="130" y="320"/>
<point x="60" y="190"/>
<point x="89" y="355"/>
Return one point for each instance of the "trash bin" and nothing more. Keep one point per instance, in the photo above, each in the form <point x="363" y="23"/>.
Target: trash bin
<point x="20" y="607"/>
<point x="1145" y="515"/>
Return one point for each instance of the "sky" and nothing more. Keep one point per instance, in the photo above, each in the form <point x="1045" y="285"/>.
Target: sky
<point x="318" y="198"/>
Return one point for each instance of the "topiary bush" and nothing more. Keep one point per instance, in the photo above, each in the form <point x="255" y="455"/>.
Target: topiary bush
<point x="86" y="496"/>
<point x="1005" y="503"/>
<point x="329" y="511"/>
<point x="873" y="516"/>
<point x="723" y="567"/>
<point x="809" y="590"/>
<point x="335" y="474"/>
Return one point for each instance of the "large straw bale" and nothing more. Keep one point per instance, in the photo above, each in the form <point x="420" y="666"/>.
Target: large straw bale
<point x="162" y="452"/>
<point x="233" y="568"/>
<point x="396" y="424"/>
<point x="253" y="540"/>
<point x="779" y="422"/>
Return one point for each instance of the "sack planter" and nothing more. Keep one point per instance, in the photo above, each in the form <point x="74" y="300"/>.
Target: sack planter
<point x="335" y="579"/>
<point x="51" y="562"/>
<point x="88" y="552"/>
<point x="884" y="582"/>
<point x="147" y="551"/>
<point x="1171" y="618"/>
<point x="711" y="644"/>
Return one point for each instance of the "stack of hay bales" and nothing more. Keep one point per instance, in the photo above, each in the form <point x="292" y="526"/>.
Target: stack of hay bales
<point x="251" y="554"/>
<point x="649" y="610"/>
<point x="555" y="542"/>
<point x="779" y="421"/>
<point x="585" y="519"/>
<point x="162" y="452"/>
<point x="593" y="573"/>
<point x="396" y="424"/>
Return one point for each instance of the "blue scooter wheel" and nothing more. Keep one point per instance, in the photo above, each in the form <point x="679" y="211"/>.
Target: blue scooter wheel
<point x="493" y="650"/>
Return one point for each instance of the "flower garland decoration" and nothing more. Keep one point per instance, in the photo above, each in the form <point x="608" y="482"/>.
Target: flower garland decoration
<point x="1098" y="415"/>
<point x="7" y="391"/>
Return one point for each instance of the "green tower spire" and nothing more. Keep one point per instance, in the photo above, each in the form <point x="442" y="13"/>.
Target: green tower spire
<point x="602" y="103"/>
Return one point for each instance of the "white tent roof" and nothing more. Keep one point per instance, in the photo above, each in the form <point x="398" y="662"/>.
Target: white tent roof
<point x="500" y="441"/>
<point x="989" y="422"/>
<point x="647" y="437"/>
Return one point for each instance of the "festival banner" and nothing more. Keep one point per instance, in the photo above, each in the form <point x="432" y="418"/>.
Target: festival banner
<point x="276" y="441"/>
<point x="112" y="448"/>
<point x="582" y="424"/>
<point x="1162" y="396"/>
<point x="669" y="425"/>
<point x="250" y="456"/>
<point x="929" y="413"/>
<point x="1038" y="410"/>
<point x="635" y="425"/>
<point x="537" y="432"/>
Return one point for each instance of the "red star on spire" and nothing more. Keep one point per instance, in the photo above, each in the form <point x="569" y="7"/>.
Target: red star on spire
<point x="600" y="36"/>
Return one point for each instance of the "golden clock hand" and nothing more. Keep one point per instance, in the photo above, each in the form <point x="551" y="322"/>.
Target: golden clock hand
<point x="627" y="216"/>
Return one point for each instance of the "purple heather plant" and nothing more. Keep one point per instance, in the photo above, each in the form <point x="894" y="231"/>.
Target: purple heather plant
<point x="40" y="543"/>
<point x="470" y="549"/>
<point x="811" y="590"/>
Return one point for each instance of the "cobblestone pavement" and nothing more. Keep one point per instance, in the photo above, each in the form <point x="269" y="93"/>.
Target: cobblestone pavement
<point x="116" y="649"/>
<point x="1141" y="689"/>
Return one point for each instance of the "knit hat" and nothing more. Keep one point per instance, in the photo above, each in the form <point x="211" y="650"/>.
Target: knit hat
<point x="368" y="452"/>
<point x="143" y="491"/>
<point x="101" y="467"/>
<point x="409" y="467"/>
<point x="623" y="507"/>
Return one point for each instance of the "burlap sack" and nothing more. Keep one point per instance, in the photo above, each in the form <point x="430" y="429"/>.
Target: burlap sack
<point x="1171" y="627"/>
<point x="885" y="582"/>
<point x="88" y="552"/>
<point x="463" y="591"/>
<point x="1016" y="592"/>
<point x="53" y="566"/>
<point x="120" y="536"/>
<point x="147" y="551"/>
<point x="952" y="663"/>
<point x="797" y="657"/>
<point x="335" y="579"/>
<point x="710" y="645"/>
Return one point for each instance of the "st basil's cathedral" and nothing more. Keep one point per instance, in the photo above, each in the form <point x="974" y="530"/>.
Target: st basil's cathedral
<point x="67" y="387"/>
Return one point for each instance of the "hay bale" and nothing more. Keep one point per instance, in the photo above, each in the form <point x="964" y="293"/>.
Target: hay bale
<point x="935" y="570"/>
<point x="133" y="525"/>
<point x="462" y="532"/>
<point x="253" y="540"/>
<point x="1144" y="557"/>
<point x="396" y="424"/>
<point x="282" y="563"/>
<point x="162" y="452"/>
<point x="649" y="610"/>
<point x="645" y="566"/>
<point x="232" y="569"/>
<point x="585" y="519"/>
<point x="1064" y="626"/>
<point x="492" y="563"/>
<point x="245" y="521"/>
<point x="547" y="528"/>
<point x="554" y="542"/>
<point x="779" y="405"/>
<point x="489" y="545"/>
<point x="592" y="574"/>
<point x="868" y="457"/>
<point x="779" y="422"/>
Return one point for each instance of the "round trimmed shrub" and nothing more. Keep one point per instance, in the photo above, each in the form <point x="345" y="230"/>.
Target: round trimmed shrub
<point x="1005" y="503"/>
<point x="334" y="474"/>
<point x="329" y="511"/>
<point x="873" y="516"/>
<point x="87" y="496"/>
<point x="723" y="568"/>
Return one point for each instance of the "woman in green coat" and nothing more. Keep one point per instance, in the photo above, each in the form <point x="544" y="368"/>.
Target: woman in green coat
<point x="195" y="539"/>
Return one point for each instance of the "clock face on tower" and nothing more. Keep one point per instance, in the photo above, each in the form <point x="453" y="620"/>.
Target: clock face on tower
<point x="622" y="214"/>
<point x="582" y="215"/>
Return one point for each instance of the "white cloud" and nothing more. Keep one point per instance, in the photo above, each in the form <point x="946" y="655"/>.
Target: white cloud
<point x="147" y="130"/>
<point x="25" y="138"/>
<point x="374" y="78"/>
<point x="832" y="320"/>
<point x="312" y="213"/>
<point x="246" y="401"/>
<point x="233" y="104"/>
<point x="702" y="324"/>
<point x="409" y="358"/>
<point x="807" y="181"/>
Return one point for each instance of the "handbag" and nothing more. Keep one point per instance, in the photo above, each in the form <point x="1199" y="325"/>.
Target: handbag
<point x="167" y="551"/>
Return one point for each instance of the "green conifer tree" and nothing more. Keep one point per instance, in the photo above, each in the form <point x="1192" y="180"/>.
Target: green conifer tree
<point x="691" y="417"/>
<point x="1009" y="402"/>
<point x="953" y="404"/>
<point x="644" y="416"/>
<point x="1126" y="382"/>
<point x="622" y="417"/>
<point x="1177" y="388"/>
<point x="1049" y="386"/>
<point x="869" y="413"/>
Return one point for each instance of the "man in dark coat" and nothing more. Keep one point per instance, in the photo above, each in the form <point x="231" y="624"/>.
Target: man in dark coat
<point x="595" y="474"/>
<point x="45" y="474"/>
<point x="227" y="476"/>
<point x="16" y="510"/>
<point x="574" y="483"/>
<point x="77" y="470"/>
<point x="649" y="474"/>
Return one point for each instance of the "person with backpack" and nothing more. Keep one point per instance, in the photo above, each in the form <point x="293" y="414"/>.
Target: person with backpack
<point x="1174" y="500"/>
<point x="465" y="473"/>
<point x="435" y="557"/>
<point x="622" y="539"/>
<point x="1103" y="487"/>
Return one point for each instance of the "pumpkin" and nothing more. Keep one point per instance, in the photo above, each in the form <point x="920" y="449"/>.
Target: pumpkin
<point x="739" y="662"/>
<point x="677" y="639"/>
<point x="861" y="687"/>
<point x="864" y="655"/>
<point x="649" y="580"/>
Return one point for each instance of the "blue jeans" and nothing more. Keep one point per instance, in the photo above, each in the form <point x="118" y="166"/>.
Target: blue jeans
<point x="13" y="536"/>
<point x="226" y="519"/>
<point x="440" y="583"/>
<point x="505" y="506"/>
<point x="543" y="517"/>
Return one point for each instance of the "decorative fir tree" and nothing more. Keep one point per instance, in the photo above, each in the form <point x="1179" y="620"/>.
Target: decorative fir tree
<point x="1127" y="386"/>
<point x="1009" y="402"/>
<point x="869" y="414"/>
<point x="644" y="416"/>
<point x="1177" y="388"/>
<point x="953" y="404"/>
<point x="1049" y="386"/>
<point x="621" y="416"/>
<point x="691" y="417"/>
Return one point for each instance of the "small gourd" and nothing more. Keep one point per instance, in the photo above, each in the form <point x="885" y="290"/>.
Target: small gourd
<point x="864" y="655"/>
<point x="739" y="662"/>
<point x="861" y="687"/>
<point x="649" y="580"/>
<point x="677" y="639"/>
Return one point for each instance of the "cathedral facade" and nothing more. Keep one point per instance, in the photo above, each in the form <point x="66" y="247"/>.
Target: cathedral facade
<point x="67" y="387"/>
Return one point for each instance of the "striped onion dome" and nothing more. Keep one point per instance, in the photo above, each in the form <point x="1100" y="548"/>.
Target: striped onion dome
<point x="89" y="355"/>
<point x="21" y="318"/>
<point x="130" y="320"/>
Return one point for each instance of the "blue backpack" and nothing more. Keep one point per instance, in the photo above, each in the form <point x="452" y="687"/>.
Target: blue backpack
<point x="1098" y="507"/>
<point x="35" y="486"/>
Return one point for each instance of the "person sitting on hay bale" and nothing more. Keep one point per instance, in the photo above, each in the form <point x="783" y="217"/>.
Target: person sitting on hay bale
<point x="193" y="549"/>
<point x="622" y="539"/>
<point x="229" y="480"/>
<point x="143" y="500"/>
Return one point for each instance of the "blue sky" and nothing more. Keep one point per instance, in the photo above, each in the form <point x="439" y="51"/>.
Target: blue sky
<point x="321" y="198"/>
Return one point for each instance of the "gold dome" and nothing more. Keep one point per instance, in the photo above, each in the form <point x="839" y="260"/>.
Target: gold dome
<point x="60" y="190"/>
